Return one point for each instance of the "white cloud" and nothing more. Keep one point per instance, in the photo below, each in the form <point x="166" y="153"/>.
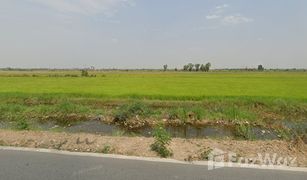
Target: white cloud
<point x="85" y="7"/>
<point x="222" y="6"/>
<point x="236" y="19"/>
<point x="213" y="16"/>
<point x="218" y="14"/>
<point x="220" y="9"/>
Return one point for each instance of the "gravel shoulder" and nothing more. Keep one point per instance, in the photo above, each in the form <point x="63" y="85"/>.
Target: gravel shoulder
<point x="183" y="149"/>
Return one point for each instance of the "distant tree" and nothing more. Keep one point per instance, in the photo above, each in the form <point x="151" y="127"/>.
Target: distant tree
<point x="207" y="67"/>
<point x="190" y="66"/>
<point x="185" y="67"/>
<point x="84" y="73"/>
<point x="260" y="68"/>
<point x="176" y="69"/>
<point x="165" y="67"/>
<point x="197" y="67"/>
<point x="202" y="68"/>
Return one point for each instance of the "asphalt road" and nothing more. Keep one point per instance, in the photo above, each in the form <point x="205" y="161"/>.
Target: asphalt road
<point x="44" y="166"/>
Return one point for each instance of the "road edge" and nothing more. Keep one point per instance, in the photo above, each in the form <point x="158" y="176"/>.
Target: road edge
<point x="152" y="159"/>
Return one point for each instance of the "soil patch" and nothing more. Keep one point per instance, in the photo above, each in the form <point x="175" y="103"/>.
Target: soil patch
<point x="183" y="149"/>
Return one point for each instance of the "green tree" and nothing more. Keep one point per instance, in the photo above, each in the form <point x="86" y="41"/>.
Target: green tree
<point x="202" y="67"/>
<point x="84" y="73"/>
<point x="165" y="67"/>
<point x="207" y="67"/>
<point x="190" y="66"/>
<point x="260" y="68"/>
<point x="185" y="67"/>
<point x="162" y="140"/>
<point x="197" y="67"/>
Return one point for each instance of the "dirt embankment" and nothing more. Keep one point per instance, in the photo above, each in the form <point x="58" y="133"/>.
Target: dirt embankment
<point x="183" y="149"/>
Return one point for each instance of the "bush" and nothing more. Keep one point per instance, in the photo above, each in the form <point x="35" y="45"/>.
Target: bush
<point x="244" y="131"/>
<point x="162" y="139"/>
<point x="205" y="154"/>
<point x="178" y="113"/>
<point x="22" y="124"/>
<point x="84" y="73"/>
<point x="126" y="111"/>
<point x="107" y="149"/>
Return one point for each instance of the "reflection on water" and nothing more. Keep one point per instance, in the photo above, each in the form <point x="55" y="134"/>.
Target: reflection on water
<point x="186" y="131"/>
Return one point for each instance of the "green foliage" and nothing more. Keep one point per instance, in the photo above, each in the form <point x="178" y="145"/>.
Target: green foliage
<point x="207" y="67"/>
<point x="185" y="67"/>
<point x="107" y="149"/>
<point x="285" y="133"/>
<point x="244" y="131"/>
<point x="260" y="68"/>
<point x="126" y="111"/>
<point x="205" y="154"/>
<point x="202" y="67"/>
<point x="184" y="113"/>
<point x="190" y="66"/>
<point x="84" y="73"/>
<point x="177" y="113"/>
<point x="197" y="67"/>
<point x="235" y="113"/>
<point x="162" y="140"/>
<point x="165" y="67"/>
<point x="22" y="124"/>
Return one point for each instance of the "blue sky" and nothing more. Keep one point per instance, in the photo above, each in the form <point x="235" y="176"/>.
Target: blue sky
<point x="150" y="33"/>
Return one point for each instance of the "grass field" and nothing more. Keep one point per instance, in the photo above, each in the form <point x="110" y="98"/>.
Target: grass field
<point x="239" y="99"/>
<point x="162" y="85"/>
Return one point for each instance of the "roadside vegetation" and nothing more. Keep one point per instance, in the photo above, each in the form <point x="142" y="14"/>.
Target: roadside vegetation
<point x="243" y="102"/>
<point x="279" y="116"/>
<point x="162" y="140"/>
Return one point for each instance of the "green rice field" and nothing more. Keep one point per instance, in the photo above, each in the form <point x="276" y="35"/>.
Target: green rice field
<point x="159" y="85"/>
<point x="241" y="101"/>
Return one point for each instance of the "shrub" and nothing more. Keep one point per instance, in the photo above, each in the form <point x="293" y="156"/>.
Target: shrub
<point x="205" y="154"/>
<point x="162" y="139"/>
<point x="22" y="124"/>
<point x="178" y="113"/>
<point x="198" y="113"/>
<point x="84" y="73"/>
<point x="128" y="110"/>
<point x="106" y="149"/>
<point x="244" y="131"/>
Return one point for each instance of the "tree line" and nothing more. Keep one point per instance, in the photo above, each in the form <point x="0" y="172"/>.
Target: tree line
<point x="202" y="67"/>
<point x="192" y="67"/>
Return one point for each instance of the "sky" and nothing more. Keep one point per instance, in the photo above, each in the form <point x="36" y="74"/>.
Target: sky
<point x="151" y="33"/>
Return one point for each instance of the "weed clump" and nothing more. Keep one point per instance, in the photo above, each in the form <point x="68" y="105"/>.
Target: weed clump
<point x="244" y="131"/>
<point x="107" y="149"/>
<point x="129" y="110"/>
<point x="205" y="154"/>
<point x="162" y="140"/>
<point x="22" y="124"/>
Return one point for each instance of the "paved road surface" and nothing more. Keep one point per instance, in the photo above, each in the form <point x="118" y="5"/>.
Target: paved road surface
<point x="44" y="166"/>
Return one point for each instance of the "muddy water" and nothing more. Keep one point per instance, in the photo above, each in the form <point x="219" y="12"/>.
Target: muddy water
<point x="263" y="134"/>
<point x="187" y="131"/>
<point x="96" y="127"/>
<point x="300" y="127"/>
